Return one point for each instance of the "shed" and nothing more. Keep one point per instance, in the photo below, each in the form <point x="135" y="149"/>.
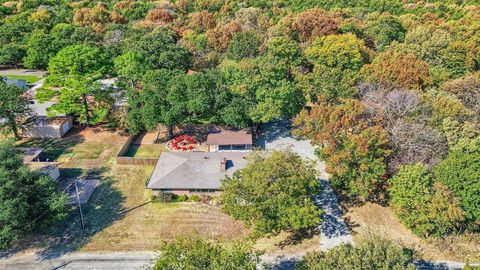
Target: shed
<point x="229" y="140"/>
<point x="44" y="127"/>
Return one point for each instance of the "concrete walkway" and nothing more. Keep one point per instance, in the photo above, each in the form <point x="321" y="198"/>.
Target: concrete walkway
<point x="333" y="230"/>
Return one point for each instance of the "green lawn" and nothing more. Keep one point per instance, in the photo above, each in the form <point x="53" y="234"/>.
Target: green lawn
<point x="66" y="149"/>
<point x="145" y="150"/>
<point x="28" y="78"/>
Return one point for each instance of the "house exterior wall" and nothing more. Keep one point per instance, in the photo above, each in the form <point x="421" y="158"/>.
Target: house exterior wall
<point x="187" y="192"/>
<point x="41" y="132"/>
<point x="47" y="131"/>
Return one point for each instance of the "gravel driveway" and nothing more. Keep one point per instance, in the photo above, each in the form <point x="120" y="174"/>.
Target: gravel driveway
<point x="334" y="231"/>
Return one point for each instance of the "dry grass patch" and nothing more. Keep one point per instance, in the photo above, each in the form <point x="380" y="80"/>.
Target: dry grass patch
<point x="144" y="225"/>
<point x="381" y="220"/>
<point x="286" y="243"/>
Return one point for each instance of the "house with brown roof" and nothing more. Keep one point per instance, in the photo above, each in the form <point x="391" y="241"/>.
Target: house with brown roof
<point x="230" y="141"/>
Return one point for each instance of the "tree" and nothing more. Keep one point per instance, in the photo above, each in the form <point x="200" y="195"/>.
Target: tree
<point x="337" y="59"/>
<point x="253" y="194"/>
<point x="220" y="36"/>
<point x="314" y="23"/>
<point x="84" y="98"/>
<point x="370" y="253"/>
<point x="194" y="252"/>
<point x="353" y="145"/>
<point x="39" y="50"/>
<point x="460" y="171"/>
<point x="76" y="68"/>
<point x="423" y="206"/>
<point x="400" y="69"/>
<point x="243" y="44"/>
<point x="386" y="29"/>
<point x="12" y="54"/>
<point x="77" y="61"/>
<point x="156" y="103"/>
<point x="13" y="106"/>
<point x="130" y="67"/>
<point x="467" y="89"/>
<point x="160" y="50"/>
<point x="27" y="199"/>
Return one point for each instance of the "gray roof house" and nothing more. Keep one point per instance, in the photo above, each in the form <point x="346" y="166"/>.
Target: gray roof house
<point x="194" y="172"/>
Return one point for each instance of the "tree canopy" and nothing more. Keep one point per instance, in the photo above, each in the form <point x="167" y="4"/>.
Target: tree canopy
<point x="194" y="252"/>
<point x="28" y="199"/>
<point x="253" y="194"/>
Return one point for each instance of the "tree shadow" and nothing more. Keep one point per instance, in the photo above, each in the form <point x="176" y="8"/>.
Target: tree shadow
<point x="53" y="149"/>
<point x="296" y="237"/>
<point x="282" y="263"/>
<point x="102" y="209"/>
<point x="272" y="131"/>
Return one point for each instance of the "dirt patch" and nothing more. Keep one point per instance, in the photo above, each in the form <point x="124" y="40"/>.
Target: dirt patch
<point x="373" y="218"/>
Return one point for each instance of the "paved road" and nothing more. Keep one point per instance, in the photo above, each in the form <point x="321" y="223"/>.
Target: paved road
<point x="79" y="261"/>
<point x="333" y="230"/>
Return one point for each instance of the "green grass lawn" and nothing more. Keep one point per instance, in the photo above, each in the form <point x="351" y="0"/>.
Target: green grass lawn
<point x="62" y="149"/>
<point x="28" y="78"/>
<point x="145" y="150"/>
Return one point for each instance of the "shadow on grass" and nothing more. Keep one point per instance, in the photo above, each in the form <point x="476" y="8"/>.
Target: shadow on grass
<point x="70" y="173"/>
<point x="297" y="237"/>
<point x="103" y="208"/>
<point x="53" y="149"/>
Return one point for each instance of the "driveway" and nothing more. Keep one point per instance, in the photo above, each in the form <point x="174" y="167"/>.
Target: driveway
<point x="334" y="231"/>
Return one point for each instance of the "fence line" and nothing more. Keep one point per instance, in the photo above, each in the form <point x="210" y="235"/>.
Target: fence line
<point x="123" y="160"/>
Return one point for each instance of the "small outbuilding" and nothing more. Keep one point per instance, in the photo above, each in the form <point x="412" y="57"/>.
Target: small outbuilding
<point x="33" y="160"/>
<point x="42" y="127"/>
<point x="230" y="141"/>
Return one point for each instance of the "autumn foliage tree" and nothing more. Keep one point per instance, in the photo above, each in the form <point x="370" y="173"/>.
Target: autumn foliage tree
<point x="314" y="23"/>
<point x="352" y="144"/>
<point x="401" y="69"/>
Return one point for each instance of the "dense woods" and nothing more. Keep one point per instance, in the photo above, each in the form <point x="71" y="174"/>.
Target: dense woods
<point x="388" y="90"/>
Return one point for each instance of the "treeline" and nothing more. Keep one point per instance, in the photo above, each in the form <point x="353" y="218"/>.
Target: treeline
<point x="388" y="90"/>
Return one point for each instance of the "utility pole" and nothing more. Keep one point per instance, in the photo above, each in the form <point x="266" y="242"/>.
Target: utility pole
<point x="79" y="207"/>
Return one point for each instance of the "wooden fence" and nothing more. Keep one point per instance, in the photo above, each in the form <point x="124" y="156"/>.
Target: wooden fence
<point x="136" y="161"/>
<point x="122" y="160"/>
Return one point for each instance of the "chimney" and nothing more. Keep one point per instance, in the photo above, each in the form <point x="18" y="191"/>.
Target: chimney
<point x="223" y="164"/>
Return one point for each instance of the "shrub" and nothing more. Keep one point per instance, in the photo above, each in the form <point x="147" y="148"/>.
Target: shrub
<point x="195" y="198"/>
<point x="181" y="198"/>
<point x="371" y="253"/>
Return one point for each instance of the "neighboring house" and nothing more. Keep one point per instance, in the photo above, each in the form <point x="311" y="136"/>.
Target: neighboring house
<point x="118" y="95"/>
<point x="194" y="172"/>
<point x="230" y="141"/>
<point x="33" y="161"/>
<point x="44" y="127"/>
<point x="17" y="82"/>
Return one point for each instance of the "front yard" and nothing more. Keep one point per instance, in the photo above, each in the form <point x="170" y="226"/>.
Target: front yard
<point x="373" y="218"/>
